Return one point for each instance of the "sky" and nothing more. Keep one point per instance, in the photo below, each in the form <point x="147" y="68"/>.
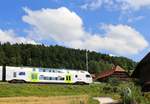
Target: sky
<point x="115" y="27"/>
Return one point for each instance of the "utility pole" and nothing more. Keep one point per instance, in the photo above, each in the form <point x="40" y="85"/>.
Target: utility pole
<point x="87" y="67"/>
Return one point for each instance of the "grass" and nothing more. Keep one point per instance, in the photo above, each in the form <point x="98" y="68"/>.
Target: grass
<point x="45" y="100"/>
<point x="55" y="90"/>
<point x="48" y="90"/>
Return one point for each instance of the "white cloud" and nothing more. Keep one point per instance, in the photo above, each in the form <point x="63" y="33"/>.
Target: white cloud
<point x="65" y="26"/>
<point x="137" y="4"/>
<point x="120" y="39"/>
<point x="57" y="24"/>
<point x="116" y="4"/>
<point x="10" y="36"/>
<point x="92" y="5"/>
<point x="127" y="4"/>
<point x="133" y="19"/>
<point x="124" y="39"/>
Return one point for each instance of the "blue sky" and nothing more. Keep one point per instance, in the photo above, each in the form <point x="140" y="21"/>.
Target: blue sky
<point x="114" y="27"/>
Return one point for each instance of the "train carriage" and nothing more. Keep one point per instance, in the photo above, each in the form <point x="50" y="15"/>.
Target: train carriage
<point x="44" y="75"/>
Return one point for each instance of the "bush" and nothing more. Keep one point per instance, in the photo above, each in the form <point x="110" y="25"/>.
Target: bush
<point x="127" y="97"/>
<point x="114" y="81"/>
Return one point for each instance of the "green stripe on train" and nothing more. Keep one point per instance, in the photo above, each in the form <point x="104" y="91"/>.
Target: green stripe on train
<point x="34" y="77"/>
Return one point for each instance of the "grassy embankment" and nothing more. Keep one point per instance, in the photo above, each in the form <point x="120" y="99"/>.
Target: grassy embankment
<point x="83" y="91"/>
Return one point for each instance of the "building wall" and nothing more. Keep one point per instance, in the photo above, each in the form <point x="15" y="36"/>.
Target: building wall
<point x="145" y="74"/>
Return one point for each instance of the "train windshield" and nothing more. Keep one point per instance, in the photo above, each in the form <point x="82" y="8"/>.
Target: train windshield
<point x="88" y="76"/>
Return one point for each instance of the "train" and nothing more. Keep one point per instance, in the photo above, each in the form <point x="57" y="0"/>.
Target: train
<point x="44" y="75"/>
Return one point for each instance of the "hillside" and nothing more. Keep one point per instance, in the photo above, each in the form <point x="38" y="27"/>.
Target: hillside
<point x="58" y="57"/>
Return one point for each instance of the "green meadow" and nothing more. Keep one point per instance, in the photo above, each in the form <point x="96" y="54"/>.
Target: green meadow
<point x="92" y="90"/>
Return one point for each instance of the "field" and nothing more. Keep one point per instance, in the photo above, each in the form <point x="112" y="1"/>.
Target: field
<point x="37" y="93"/>
<point x="45" y="100"/>
<point x="46" y="93"/>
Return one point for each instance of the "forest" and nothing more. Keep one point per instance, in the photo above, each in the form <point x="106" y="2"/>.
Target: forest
<point x="59" y="57"/>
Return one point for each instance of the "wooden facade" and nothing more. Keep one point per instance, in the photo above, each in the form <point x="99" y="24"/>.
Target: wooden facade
<point x="142" y="72"/>
<point x="115" y="72"/>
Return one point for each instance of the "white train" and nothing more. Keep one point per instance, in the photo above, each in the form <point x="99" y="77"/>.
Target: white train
<point x="44" y="75"/>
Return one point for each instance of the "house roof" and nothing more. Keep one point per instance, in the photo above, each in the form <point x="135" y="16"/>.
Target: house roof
<point x="118" y="68"/>
<point x="109" y="72"/>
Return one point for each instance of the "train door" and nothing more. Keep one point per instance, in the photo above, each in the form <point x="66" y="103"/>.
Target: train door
<point x="68" y="78"/>
<point x="34" y="77"/>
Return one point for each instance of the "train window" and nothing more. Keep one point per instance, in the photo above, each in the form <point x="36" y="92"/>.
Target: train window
<point x="40" y="70"/>
<point x="45" y="78"/>
<point x="14" y="74"/>
<point x="34" y="69"/>
<point x="49" y="70"/>
<point x="44" y="70"/>
<point x="69" y="78"/>
<point x="88" y="76"/>
<point x="50" y="78"/>
<point x="22" y="73"/>
<point x="62" y="78"/>
<point x="53" y="78"/>
<point x="56" y="78"/>
<point x="41" y="77"/>
<point x="66" y="77"/>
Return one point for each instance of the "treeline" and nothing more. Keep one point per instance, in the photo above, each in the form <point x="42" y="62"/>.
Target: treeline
<point x="58" y="57"/>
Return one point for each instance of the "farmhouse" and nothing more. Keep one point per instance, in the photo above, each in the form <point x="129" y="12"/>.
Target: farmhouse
<point x="142" y="72"/>
<point x="115" y="72"/>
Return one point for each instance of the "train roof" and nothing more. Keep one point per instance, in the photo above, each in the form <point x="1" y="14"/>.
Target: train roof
<point x="46" y="68"/>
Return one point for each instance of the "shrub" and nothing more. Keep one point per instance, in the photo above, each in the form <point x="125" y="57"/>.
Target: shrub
<point x="114" y="81"/>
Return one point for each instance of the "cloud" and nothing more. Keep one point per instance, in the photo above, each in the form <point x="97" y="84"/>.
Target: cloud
<point x="92" y="5"/>
<point x="133" y="19"/>
<point x="127" y="5"/>
<point x="137" y="4"/>
<point x="10" y="36"/>
<point x="65" y="27"/>
<point x="123" y="5"/>
<point x="119" y="39"/>
<point x="124" y="39"/>
<point x="58" y="24"/>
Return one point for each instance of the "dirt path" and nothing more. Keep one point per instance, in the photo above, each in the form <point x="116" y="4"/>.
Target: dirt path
<point x="106" y="100"/>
